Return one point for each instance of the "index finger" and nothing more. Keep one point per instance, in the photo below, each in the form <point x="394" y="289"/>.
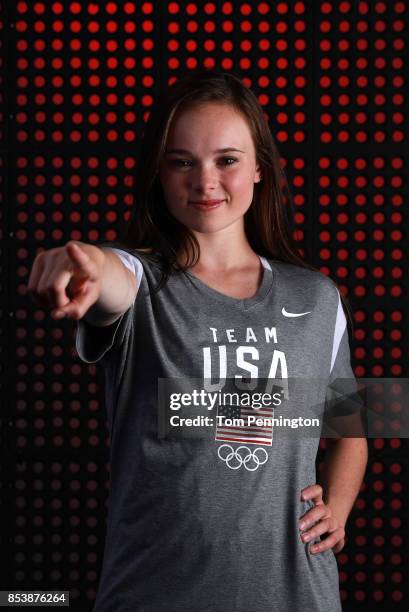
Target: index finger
<point x="79" y="257"/>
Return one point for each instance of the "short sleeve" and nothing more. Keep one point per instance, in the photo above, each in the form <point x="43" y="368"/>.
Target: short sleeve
<point x="130" y="261"/>
<point x="93" y="342"/>
<point x="340" y="355"/>
<point x="342" y="396"/>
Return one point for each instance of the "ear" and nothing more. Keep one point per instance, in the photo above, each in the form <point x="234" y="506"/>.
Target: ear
<point x="258" y="176"/>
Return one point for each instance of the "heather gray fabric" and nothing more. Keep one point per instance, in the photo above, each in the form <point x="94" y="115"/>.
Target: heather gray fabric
<point x="184" y="531"/>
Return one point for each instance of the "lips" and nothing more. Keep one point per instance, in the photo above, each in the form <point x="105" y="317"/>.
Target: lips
<point x="207" y="205"/>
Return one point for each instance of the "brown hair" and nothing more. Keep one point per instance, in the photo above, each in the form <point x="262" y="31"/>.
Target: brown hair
<point x="269" y="220"/>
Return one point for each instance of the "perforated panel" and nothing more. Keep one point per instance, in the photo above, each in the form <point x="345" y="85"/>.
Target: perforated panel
<point x="82" y="76"/>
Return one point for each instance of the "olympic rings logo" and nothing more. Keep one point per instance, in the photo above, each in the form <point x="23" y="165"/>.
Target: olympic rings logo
<point x="250" y="456"/>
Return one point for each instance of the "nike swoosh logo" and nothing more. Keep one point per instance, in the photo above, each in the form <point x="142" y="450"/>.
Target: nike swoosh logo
<point x="294" y="314"/>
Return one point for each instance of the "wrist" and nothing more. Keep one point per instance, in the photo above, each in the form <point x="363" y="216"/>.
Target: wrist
<point x="338" y="514"/>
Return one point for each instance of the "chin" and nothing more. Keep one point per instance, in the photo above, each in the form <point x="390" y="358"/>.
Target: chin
<point x="209" y="227"/>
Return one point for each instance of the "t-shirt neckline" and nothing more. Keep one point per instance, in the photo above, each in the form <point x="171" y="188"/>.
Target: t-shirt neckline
<point x="263" y="290"/>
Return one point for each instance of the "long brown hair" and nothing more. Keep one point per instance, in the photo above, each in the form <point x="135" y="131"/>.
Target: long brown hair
<point x="269" y="220"/>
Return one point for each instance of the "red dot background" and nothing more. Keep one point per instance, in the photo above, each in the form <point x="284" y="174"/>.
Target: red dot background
<point x="78" y="85"/>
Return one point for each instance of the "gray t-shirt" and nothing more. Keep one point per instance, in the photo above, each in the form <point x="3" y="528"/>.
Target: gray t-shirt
<point x="193" y="524"/>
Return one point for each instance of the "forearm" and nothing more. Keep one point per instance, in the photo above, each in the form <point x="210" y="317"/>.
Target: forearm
<point x="342" y="473"/>
<point x="118" y="288"/>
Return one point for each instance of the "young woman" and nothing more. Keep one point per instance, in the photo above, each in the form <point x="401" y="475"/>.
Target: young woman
<point x="207" y="284"/>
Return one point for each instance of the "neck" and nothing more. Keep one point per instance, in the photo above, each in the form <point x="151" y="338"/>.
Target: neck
<point x="219" y="253"/>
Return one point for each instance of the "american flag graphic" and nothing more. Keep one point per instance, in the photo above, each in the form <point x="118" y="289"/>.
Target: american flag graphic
<point x="248" y="433"/>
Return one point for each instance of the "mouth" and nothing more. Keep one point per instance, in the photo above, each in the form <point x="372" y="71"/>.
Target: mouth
<point x="207" y="204"/>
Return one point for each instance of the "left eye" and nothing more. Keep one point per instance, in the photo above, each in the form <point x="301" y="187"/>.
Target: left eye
<point x="184" y="161"/>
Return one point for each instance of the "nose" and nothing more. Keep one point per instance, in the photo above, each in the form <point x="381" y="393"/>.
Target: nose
<point x="204" y="179"/>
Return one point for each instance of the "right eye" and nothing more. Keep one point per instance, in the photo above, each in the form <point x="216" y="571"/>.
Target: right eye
<point x="179" y="162"/>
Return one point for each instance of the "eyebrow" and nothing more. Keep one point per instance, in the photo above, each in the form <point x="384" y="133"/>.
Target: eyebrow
<point x="183" y="151"/>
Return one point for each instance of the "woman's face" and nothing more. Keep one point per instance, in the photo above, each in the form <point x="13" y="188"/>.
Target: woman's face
<point x="194" y="169"/>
